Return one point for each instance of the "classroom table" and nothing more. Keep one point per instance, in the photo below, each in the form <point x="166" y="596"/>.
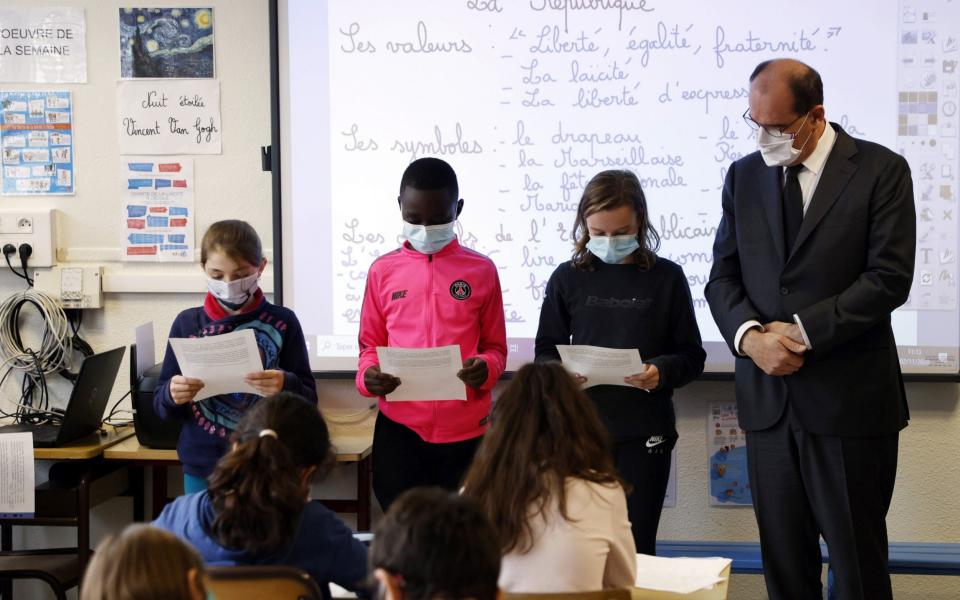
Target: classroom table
<point x="718" y="592"/>
<point x="349" y="449"/>
<point x="87" y="447"/>
<point x="67" y="500"/>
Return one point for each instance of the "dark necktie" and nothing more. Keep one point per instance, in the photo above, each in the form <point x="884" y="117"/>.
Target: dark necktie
<point x="792" y="207"/>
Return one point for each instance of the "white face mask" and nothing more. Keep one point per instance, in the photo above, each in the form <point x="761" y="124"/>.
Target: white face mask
<point x="779" y="151"/>
<point x="234" y="293"/>
<point x="613" y="249"/>
<point x="429" y="239"/>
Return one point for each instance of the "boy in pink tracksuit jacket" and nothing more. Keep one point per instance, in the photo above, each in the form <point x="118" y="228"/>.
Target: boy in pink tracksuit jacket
<point x="430" y="292"/>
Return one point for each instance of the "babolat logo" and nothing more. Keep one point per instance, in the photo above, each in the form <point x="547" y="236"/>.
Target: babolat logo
<point x="460" y="289"/>
<point x="399" y="294"/>
<point x="639" y="303"/>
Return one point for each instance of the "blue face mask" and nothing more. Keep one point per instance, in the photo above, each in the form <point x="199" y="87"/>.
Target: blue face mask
<point x="613" y="249"/>
<point x="429" y="239"/>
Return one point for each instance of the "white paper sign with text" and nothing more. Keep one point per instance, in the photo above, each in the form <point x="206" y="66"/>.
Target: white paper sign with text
<point x="169" y="117"/>
<point x="42" y="45"/>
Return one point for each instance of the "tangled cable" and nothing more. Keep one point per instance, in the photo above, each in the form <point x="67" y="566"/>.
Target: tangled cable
<point x="54" y="355"/>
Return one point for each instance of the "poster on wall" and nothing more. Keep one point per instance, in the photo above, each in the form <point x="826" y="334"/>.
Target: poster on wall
<point x="42" y="45"/>
<point x="166" y="42"/>
<point x="169" y="116"/>
<point x="157" y="208"/>
<point x="36" y="140"/>
<point x="727" y="447"/>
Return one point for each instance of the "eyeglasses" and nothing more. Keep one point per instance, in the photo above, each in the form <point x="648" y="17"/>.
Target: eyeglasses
<point x="777" y="132"/>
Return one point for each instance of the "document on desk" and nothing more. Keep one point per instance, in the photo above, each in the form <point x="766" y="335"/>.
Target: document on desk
<point x="601" y="366"/>
<point x="16" y="475"/>
<point x="679" y="575"/>
<point x="424" y="373"/>
<point x="220" y="361"/>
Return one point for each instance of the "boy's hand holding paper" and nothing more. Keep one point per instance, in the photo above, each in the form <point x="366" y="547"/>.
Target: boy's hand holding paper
<point x="423" y="373"/>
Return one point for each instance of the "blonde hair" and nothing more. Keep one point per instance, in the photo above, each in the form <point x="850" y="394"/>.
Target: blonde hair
<point x="141" y="563"/>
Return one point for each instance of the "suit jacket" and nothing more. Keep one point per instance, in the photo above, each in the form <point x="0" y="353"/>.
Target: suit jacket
<point x="851" y="266"/>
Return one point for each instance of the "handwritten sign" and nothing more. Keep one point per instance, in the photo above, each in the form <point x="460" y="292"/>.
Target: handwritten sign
<point x="528" y="101"/>
<point x="169" y="117"/>
<point x="43" y="45"/>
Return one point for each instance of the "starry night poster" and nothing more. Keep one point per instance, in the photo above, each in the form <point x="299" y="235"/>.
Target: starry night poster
<point x="166" y="42"/>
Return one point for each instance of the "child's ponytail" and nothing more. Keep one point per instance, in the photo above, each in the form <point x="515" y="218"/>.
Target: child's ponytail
<point x="257" y="489"/>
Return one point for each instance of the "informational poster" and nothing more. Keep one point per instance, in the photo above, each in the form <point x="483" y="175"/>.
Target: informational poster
<point x="36" y="139"/>
<point x="157" y="208"/>
<point x="727" y="445"/>
<point x="42" y="45"/>
<point x="169" y="116"/>
<point x="166" y="42"/>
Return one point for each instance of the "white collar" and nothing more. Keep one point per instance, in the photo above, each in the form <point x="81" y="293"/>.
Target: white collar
<point x="818" y="158"/>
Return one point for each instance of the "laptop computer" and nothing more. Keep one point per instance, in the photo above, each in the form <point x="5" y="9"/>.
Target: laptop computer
<point x="87" y="402"/>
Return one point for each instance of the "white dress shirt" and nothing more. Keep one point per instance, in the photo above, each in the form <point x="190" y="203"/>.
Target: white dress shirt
<point x="809" y="178"/>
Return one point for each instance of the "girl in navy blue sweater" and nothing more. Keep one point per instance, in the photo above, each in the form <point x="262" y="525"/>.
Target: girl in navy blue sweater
<point x="232" y="258"/>
<point x="256" y="510"/>
<point x="617" y="293"/>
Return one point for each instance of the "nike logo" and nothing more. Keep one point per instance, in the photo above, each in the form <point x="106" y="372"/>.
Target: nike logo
<point x="655" y="440"/>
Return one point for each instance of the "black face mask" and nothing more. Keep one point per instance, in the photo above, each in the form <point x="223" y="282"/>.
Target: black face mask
<point x="233" y="306"/>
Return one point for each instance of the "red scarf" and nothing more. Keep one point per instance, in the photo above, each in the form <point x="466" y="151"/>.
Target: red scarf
<point x="217" y="311"/>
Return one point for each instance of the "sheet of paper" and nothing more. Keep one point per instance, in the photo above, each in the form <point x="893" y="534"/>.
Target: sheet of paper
<point x="425" y="373"/>
<point x="601" y="366"/>
<point x="146" y="356"/>
<point x="169" y="116"/>
<point x="678" y="575"/>
<point x="43" y="45"/>
<point x="16" y="475"/>
<point x="220" y="361"/>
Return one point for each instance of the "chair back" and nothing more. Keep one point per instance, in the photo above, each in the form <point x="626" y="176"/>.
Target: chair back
<point x="596" y="595"/>
<point x="273" y="582"/>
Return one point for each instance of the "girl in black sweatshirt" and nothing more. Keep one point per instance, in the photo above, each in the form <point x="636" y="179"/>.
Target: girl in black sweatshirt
<point x="617" y="293"/>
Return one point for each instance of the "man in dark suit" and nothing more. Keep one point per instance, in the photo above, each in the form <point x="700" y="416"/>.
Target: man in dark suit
<point x="815" y="249"/>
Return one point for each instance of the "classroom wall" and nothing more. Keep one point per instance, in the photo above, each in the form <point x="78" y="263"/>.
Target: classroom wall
<point x="230" y="185"/>
<point x="89" y="223"/>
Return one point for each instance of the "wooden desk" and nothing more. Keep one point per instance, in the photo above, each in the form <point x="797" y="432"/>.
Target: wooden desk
<point x="349" y="450"/>
<point x="87" y="447"/>
<point x="78" y="482"/>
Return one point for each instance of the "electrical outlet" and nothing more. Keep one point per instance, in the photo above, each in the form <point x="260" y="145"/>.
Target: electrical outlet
<point x="29" y="226"/>
<point x="72" y="287"/>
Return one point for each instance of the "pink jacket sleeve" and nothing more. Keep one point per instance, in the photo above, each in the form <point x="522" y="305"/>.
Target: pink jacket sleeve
<point x="373" y="330"/>
<point x="492" y="346"/>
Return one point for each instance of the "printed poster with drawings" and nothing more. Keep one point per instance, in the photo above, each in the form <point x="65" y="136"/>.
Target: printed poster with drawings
<point x="157" y="208"/>
<point x="727" y="445"/>
<point x="36" y="138"/>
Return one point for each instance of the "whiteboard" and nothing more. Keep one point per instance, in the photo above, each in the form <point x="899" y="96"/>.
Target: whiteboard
<point x="527" y="100"/>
